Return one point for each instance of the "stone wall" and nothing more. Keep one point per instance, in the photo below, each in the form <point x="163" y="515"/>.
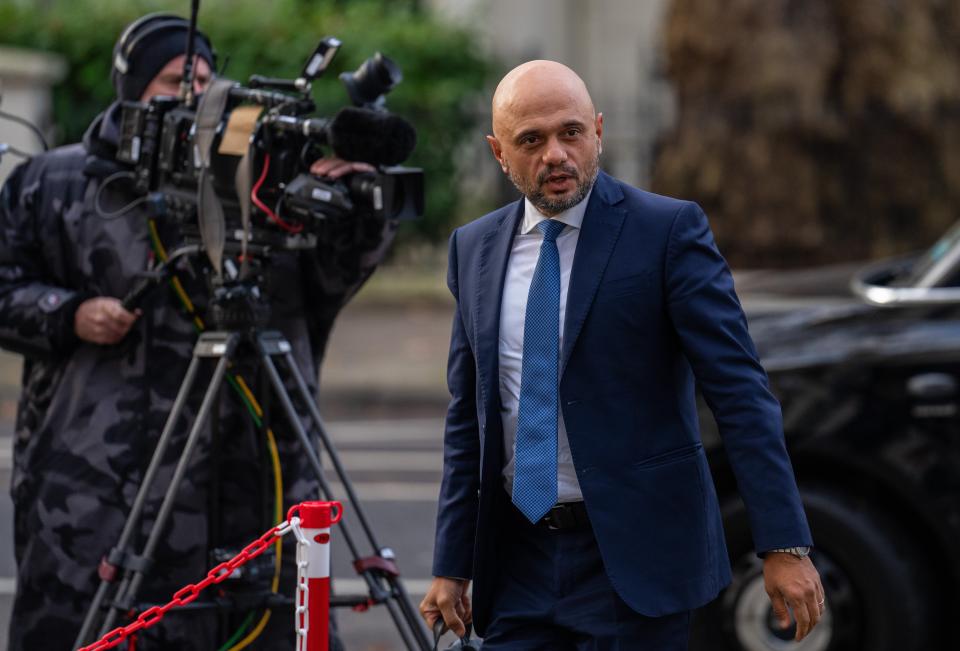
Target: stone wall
<point x="26" y="79"/>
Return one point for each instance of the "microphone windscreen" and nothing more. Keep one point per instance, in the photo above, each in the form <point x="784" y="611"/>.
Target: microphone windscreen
<point x="374" y="137"/>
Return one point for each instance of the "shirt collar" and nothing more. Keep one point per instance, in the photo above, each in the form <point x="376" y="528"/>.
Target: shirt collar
<point x="571" y="217"/>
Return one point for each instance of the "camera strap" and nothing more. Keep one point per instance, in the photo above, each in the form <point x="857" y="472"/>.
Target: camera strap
<point x="209" y="211"/>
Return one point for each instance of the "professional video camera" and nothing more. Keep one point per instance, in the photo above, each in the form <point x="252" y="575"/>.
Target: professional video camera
<point x="231" y="170"/>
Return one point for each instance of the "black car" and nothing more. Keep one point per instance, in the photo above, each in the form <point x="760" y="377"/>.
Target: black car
<point x="870" y="386"/>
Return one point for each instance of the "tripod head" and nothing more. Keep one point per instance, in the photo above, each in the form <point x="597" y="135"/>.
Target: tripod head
<point x="239" y="306"/>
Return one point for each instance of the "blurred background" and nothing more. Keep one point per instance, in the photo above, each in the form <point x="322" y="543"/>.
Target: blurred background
<point x="816" y="134"/>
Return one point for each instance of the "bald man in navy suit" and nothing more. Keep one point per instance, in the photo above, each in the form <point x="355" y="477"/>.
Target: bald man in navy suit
<point x="576" y="494"/>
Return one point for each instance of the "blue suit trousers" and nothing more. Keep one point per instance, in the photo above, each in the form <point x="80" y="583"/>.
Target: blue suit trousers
<point x="552" y="594"/>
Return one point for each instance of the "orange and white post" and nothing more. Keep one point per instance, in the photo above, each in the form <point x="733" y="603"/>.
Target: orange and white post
<point x="312" y="613"/>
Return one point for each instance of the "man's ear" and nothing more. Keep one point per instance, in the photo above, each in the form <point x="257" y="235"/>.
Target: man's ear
<point x="497" y="152"/>
<point x="599" y="127"/>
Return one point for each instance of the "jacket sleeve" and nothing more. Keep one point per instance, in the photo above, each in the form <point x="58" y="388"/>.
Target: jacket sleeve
<point x="36" y="310"/>
<point x="458" y="505"/>
<point x="713" y="331"/>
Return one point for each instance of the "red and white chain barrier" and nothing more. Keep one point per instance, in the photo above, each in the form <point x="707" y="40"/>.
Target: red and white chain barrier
<point x="310" y="523"/>
<point x="312" y="612"/>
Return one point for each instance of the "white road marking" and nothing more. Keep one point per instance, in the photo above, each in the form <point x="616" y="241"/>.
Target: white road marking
<point x="426" y="460"/>
<point x="414" y="587"/>
<point x="386" y="431"/>
<point x="390" y="491"/>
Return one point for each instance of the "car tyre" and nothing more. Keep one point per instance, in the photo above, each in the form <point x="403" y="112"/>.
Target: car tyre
<point x="877" y="586"/>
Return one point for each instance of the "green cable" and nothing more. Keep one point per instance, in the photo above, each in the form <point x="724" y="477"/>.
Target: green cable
<point x="246" y="402"/>
<point x="240" y="631"/>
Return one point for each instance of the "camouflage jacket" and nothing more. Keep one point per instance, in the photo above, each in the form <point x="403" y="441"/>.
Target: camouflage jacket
<point x="90" y="415"/>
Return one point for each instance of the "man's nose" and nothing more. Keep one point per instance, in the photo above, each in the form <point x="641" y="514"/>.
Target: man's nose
<point x="555" y="153"/>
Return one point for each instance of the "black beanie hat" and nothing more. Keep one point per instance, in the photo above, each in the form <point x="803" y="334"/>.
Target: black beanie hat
<point x="146" y="46"/>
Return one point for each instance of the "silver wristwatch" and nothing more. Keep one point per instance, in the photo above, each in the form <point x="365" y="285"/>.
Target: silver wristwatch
<point x="799" y="552"/>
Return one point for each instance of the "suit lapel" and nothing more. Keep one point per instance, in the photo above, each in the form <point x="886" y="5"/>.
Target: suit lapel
<point x="494" y="253"/>
<point x="598" y="235"/>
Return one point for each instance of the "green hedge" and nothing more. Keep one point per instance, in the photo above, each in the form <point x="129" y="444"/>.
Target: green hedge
<point x="442" y="65"/>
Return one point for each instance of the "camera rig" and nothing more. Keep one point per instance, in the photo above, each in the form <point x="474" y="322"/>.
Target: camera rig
<point x="231" y="170"/>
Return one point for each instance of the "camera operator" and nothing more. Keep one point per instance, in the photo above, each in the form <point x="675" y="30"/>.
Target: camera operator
<point x="99" y="381"/>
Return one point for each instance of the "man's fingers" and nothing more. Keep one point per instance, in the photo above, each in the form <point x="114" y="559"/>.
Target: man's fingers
<point x="448" y="608"/>
<point x="119" y="315"/>
<point x="445" y="604"/>
<point x="793" y="582"/>
<point x="467" y="608"/>
<point x="430" y="616"/>
<point x="780" y="610"/>
<point x="811" y="607"/>
<point x="103" y="320"/>
<point x="333" y="167"/>
<point x="804" y="619"/>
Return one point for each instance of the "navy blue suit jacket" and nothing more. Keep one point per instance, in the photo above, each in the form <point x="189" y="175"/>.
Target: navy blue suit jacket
<point x="651" y="310"/>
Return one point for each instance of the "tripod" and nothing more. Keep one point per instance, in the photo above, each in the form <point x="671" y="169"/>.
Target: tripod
<point x="379" y="571"/>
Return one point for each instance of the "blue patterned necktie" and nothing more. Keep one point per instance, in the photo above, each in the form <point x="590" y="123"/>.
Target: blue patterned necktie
<point x="535" y="481"/>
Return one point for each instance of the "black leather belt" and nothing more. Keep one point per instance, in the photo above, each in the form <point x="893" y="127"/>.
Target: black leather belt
<point x="565" y="516"/>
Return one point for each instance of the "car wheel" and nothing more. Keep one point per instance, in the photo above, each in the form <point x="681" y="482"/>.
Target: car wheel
<point x="877" y="587"/>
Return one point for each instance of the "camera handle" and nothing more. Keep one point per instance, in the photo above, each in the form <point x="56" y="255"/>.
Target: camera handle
<point x="379" y="571"/>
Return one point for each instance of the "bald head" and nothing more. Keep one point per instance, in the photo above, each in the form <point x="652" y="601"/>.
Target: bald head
<point x="536" y="86"/>
<point x="546" y="134"/>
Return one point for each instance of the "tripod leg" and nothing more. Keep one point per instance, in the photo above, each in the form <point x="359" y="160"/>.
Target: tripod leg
<point x="133" y="519"/>
<point x="410" y="613"/>
<point x="130" y="585"/>
<point x="294" y="420"/>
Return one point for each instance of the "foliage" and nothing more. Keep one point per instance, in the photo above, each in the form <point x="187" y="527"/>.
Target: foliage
<point x="815" y="130"/>
<point x="442" y="67"/>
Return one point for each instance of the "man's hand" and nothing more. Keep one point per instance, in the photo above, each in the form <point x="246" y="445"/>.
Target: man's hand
<point x="794" y="582"/>
<point x="334" y="168"/>
<point x="447" y="598"/>
<point x="103" y="320"/>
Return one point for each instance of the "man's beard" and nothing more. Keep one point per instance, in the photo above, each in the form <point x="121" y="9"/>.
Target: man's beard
<point x="551" y="207"/>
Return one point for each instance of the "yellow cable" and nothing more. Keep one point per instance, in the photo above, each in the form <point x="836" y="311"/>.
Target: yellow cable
<point x="155" y="236"/>
<point x="174" y="280"/>
<point x="278" y="505"/>
<point x="249" y="394"/>
<point x="271" y="443"/>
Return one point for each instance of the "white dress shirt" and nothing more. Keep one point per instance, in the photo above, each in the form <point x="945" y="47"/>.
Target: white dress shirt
<point x="513" y="311"/>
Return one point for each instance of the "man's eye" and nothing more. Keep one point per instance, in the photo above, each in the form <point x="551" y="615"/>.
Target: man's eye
<point x="573" y="133"/>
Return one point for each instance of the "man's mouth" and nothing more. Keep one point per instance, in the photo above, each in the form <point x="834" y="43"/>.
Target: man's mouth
<point x="558" y="181"/>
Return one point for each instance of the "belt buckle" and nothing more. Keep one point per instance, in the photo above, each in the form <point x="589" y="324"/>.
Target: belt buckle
<point x="554" y="518"/>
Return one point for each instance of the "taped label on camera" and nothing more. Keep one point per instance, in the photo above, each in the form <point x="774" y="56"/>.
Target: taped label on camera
<point x="236" y="137"/>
